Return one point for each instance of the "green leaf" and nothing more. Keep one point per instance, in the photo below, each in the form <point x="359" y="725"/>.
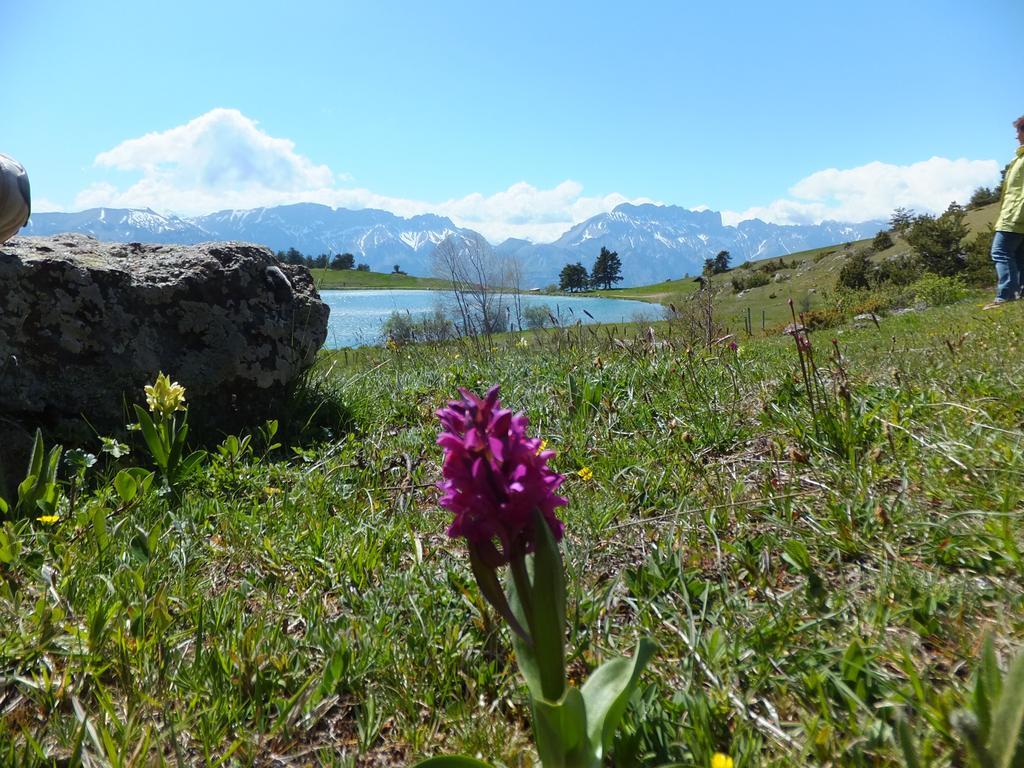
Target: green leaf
<point x="51" y="466"/>
<point x="548" y="602"/>
<point x="560" y="731"/>
<point x="607" y="693"/>
<point x="125" y="485"/>
<point x="1006" y="742"/>
<point x="987" y="685"/>
<point x="3" y="506"/>
<point x="152" y="438"/>
<point x="490" y="588"/>
<point x="190" y="464"/>
<point x="35" y="464"/>
<point x="526" y="659"/>
<point x="906" y="739"/>
<point x="143" y="477"/>
<point x="452" y="761"/>
<point x="795" y="553"/>
<point x="8" y="546"/>
<point x="27" y="492"/>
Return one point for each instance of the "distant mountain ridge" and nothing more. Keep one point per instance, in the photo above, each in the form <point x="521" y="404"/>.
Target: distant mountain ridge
<point x="654" y="242"/>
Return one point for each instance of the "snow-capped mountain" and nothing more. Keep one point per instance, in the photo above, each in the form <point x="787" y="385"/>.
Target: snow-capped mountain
<point x="654" y="242"/>
<point x="658" y="243"/>
<point x="378" y="238"/>
<point x="119" y="225"/>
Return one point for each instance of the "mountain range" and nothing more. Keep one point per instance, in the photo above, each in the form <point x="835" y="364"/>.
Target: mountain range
<point x="654" y="242"/>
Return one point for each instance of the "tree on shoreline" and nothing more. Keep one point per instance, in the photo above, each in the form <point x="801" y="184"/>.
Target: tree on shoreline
<point x="573" y="277"/>
<point x="607" y="269"/>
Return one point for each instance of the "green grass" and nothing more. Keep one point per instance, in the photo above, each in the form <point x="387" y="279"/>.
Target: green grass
<point x="804" y="574"/>
<point x="351" y="278"/>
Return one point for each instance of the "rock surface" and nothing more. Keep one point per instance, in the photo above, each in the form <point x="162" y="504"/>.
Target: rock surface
<point x="85" y="325"/>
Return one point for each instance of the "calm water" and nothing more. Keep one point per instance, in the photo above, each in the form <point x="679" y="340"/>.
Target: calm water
<point x="357" y="316"/>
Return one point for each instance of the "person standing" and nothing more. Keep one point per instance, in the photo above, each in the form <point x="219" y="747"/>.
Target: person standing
<point x="1008" y="242"/>
<point x="15" y="198"/>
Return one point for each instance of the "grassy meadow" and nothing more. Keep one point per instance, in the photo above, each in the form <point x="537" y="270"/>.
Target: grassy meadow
<point x="329" y="279"/>
<point x="818" y="558"/>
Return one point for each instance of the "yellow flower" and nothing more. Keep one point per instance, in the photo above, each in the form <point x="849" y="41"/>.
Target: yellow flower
<point x="392" y="345"/>
<point x="165" y="396"/>
<point x="542" y="447"/>
<point x="718" y="760"/>
<point x="48" y="519"/>
<point x="272" y="491"/>
<point x="585" y="474"/>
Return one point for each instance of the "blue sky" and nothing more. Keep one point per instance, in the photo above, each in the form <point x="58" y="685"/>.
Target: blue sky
<point x="513" y="118"/>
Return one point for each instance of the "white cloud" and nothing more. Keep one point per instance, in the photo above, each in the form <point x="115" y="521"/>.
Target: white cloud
<point x="223" y="160"/>
<point x="874" y="190"/>
<point x="43" y="205"/>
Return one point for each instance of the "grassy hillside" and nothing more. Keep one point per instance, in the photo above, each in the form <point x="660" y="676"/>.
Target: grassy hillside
<point x="811" y="570"/>
<point x="807" y="276"/>
<point x="351" y="278"/>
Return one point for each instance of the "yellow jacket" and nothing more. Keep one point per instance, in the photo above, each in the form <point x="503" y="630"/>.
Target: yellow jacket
<point x="1011" y="212"/>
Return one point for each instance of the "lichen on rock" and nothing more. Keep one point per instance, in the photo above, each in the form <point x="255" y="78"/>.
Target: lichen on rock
<point x="85" y="325"/>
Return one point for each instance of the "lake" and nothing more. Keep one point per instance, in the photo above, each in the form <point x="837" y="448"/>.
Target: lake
<point x="358" y="316"/>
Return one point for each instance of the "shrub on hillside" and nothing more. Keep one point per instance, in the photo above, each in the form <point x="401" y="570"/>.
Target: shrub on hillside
<point x="878" y="300"/>
<point x="939" y="290"/>
<point x="899" y="270"/>
<point x="772" y="266"/>
<point x="824" y="254"/>
<point x="939" y="241"/>
<point x="856" y="272"/>
<point x="978" y="268"/>
<point x="984" y="196"/>
<point x="743" y="282"/>
<point x="882" y="241"/>
<point x="818" y="319"/>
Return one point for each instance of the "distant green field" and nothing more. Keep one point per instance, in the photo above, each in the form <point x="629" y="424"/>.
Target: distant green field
<point x="327" y="279"/>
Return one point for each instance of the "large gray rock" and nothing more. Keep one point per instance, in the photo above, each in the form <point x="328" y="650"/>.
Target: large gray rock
<point x="85" y="325"/>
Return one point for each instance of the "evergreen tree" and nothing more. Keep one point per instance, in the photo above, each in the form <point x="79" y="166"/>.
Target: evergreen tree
<point x="573" y="277"/>
<point x="607" y="269"/>
<point x="901" y="220"/>
<point x="343" y="261"/>
<point x="939" y="241"/>
<point x="722" y="262"/>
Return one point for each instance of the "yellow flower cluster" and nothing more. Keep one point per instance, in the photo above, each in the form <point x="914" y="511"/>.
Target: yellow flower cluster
<point x="165" y="396"/>
<point x="718" y="760"/>
<point x="586" y="475"/>
<point x="48" y="519"/>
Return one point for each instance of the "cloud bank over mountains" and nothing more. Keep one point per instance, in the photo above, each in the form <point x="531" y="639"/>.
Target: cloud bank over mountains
<point x="223" y="160"/>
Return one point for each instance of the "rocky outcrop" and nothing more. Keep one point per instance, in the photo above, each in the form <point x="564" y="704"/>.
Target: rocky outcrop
<point x="85" y="325"/>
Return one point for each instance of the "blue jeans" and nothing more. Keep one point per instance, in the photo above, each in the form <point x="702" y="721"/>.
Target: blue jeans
<point x="1008" y="255"/>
